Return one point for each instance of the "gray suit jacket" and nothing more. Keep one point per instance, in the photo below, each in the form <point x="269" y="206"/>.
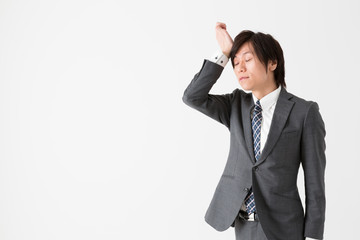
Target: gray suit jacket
<point x="296" y="136"/>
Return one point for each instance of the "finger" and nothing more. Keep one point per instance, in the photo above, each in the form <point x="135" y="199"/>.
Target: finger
<point x="220" y="25"/>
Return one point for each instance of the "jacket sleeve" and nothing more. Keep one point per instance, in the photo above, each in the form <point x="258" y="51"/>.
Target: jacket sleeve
<point x="197" y="96"/>
<point x="313" y="162"/>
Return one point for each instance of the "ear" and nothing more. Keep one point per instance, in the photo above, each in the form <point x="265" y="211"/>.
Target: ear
<point x="272" y="65"/>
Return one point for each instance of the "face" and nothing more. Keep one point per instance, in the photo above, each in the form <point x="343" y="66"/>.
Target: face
<point x="250" y="72"/>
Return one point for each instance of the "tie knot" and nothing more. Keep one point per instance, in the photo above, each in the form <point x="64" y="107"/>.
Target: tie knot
<point x="258" y="106"/>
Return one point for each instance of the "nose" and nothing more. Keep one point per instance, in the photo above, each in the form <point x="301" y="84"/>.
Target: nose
<point x="240" y="67"/>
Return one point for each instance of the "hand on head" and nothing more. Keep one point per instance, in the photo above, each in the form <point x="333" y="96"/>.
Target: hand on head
<point x="223" y="38"/>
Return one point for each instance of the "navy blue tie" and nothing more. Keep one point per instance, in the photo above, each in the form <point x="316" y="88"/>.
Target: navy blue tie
<point x="256" y="129"/>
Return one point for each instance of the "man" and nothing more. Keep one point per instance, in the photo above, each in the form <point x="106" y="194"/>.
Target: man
<point x="272" y="132"/>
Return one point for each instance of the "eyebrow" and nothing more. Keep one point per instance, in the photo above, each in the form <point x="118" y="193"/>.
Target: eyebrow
<point x="245" y="53"/>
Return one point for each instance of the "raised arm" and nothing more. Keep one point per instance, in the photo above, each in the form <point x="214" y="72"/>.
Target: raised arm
<point x="197" y="96"/>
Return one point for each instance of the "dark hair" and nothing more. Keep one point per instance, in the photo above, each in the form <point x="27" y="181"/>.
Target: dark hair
<point x="266" y="48"/>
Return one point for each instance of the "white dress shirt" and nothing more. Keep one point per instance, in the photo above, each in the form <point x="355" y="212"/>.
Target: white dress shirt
<point x="219" y="58"/>
<point x="268" y="103"/>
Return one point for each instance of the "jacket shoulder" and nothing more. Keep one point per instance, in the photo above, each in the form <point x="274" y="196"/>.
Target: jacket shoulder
<point x="301" y="103"/>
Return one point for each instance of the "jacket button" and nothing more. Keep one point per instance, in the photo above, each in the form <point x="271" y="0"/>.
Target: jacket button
<point x="256" y="168"/>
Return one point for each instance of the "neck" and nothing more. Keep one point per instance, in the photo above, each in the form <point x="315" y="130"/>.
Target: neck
<point x="259" y="94"/>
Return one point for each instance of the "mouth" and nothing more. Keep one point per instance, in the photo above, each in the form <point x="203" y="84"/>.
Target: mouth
<point x="242" y="78"/>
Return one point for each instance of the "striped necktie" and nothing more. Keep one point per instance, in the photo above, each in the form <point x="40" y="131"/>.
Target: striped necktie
<point x="256" y="129"/>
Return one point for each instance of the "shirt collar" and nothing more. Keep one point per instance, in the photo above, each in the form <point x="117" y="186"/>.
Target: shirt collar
<point x="268" y="100"/>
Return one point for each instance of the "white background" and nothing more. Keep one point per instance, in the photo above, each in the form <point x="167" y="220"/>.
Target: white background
<point x="95" y="141"/>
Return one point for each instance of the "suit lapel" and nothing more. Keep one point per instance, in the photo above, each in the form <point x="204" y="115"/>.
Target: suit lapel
<point x="281" y="114"/>
<point x="247" y="106"/>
